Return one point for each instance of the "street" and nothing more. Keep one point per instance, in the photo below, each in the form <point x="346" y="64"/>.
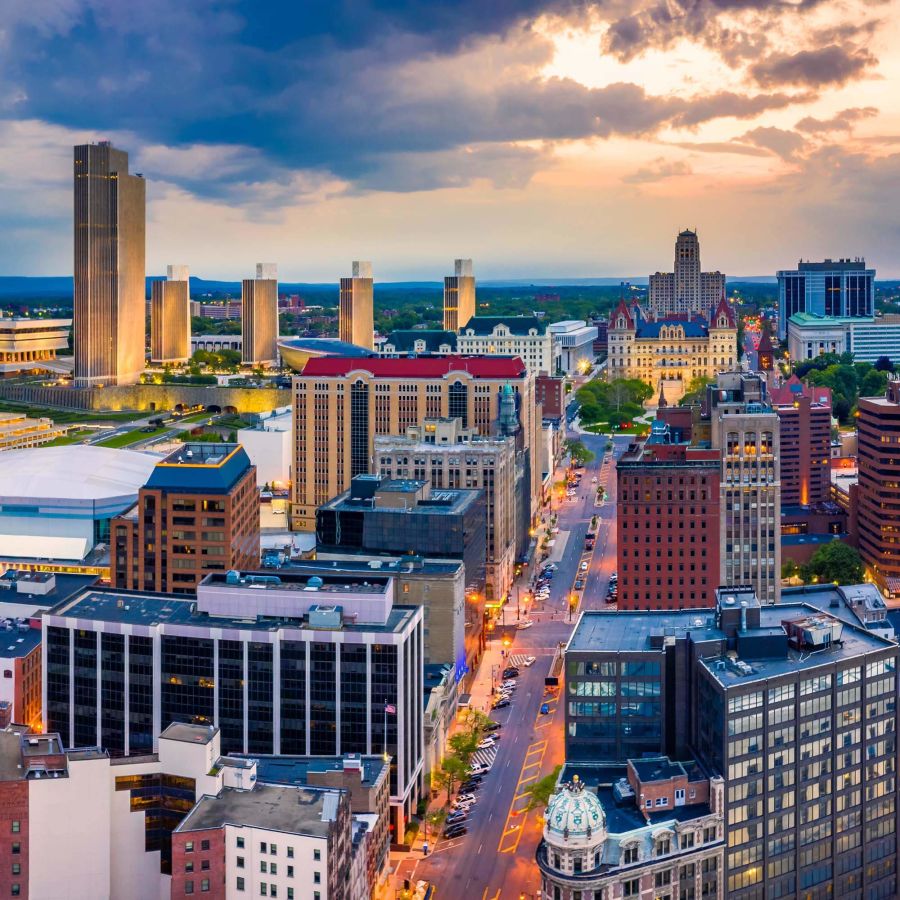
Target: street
<point x="495" y="859"/>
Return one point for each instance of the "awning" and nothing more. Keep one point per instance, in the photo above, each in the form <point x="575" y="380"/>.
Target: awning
<point x="36" y="546"/>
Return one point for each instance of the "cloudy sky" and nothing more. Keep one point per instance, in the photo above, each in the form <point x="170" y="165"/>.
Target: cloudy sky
<point x="542" y="138"/>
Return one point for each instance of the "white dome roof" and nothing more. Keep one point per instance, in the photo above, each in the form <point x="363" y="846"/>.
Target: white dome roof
<point x="74" y="472"/>
<point x="574" y="817"/>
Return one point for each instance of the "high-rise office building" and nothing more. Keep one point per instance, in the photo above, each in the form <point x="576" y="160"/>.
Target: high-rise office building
<point x="319" y="665"/>
<point x="450" y="456"/>
<point x="170" y="321"/>
<point x="668" y="521"/>
<point x="356" y="315"/>
<point x="804" y="417"/>
<point x="687" y="290"/>
<point x="744" y="428"/>
<point x="259" y="316"/>
<point x="197" y="513"/>
<point x="109" y="301"/>
<point x="342" y="403"/>
<point x="793" y="705"/>
<point x="459" y="296"/>
<point x="834" y="288"/>
<point x="878" y="493"/>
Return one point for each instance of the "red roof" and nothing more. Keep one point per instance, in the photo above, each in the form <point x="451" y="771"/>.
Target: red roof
<point x="418" y="366"/>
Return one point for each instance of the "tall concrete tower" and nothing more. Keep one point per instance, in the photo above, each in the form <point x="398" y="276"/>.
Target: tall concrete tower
<point x="170" y="320"/>
<point x="687" y="270"/>
<point x="356" y="312"/>
<point x="110" y="333"/>
<point x="459" y="296"/>
<point x="259" y="316"/>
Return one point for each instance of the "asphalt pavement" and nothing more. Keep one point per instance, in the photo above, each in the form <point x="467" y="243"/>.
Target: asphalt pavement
<point x="495" y="859"/>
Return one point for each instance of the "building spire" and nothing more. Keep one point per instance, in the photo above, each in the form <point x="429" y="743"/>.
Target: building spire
<point x="662" y="403"/>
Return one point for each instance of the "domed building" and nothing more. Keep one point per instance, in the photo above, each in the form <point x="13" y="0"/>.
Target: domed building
<point x="655" y="833"/>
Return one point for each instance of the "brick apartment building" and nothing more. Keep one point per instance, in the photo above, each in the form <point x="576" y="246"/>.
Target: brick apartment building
<point x="197" y="513"/>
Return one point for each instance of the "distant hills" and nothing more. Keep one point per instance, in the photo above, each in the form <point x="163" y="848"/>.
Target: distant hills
<point x="15" y="287"/>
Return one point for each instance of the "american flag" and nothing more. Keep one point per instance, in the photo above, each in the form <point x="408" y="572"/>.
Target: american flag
<point x="390" y="708"/>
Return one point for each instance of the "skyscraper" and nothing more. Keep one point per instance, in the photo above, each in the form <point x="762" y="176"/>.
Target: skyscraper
<point x="109" y="225"/>
<point x="459" y="295"/>
<point x="744" y="427"/>
<point x="878" y="497"/>
<point x="170" y="321"/>
<point x="356" y="323"/>
<point x="687" y="289"/>
<point x="834" y="288"/>
<point x="259" y="316"/>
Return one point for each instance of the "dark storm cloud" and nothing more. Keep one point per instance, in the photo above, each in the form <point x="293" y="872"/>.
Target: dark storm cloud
<point x="379" y="93"/>
<point x="831" y="65"/>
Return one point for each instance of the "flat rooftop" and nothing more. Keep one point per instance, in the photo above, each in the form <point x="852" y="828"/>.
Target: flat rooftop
<point x="288" y="580"/>
<point x="15" y="643"/>
<point x="275" y="807"/>
<point x="15" y="583"/>
<point x="403" y="566"/>
<point x="189" y="734"/>
<point x="296" y="769"/>
<point x="855" y="642"/>
<point x="151" y="609"/>
<point x="627" y="630"/>
<point x="199" y="468"/>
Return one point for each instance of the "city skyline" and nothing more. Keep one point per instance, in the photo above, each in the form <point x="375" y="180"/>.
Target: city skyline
<point x="536" y="138"/>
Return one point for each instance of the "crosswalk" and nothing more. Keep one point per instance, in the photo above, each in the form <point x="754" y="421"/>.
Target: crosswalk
<point x="484" y="757"/>
<point x="517" y="660"/>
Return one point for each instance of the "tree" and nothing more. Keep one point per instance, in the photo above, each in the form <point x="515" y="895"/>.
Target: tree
<point x="836" y="562"/>
<point x="541" y="791"/>
<point x="695" y="390"/>
<point x="789" y="569"/>
<point x="884" y="364"/>
<point x="579" y="453"/>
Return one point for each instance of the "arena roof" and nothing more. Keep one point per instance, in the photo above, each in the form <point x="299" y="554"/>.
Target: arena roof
<point x="75" y="472"/>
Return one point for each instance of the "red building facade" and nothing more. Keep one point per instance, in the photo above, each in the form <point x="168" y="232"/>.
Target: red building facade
<point x="668" y="528"/>
<point x="804" y="416"/>
<point x="550" y="392"/>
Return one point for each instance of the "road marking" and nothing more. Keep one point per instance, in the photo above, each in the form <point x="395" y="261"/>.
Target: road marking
<point x="515" y="818"/>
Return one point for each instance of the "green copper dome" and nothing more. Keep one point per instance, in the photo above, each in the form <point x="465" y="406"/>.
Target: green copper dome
<point x="574" y="817"/>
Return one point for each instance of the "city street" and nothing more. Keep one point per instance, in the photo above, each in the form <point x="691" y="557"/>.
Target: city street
<point x="495" y="859"/>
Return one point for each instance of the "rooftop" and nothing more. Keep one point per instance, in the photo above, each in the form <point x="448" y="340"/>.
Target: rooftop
<point x="189" y="734"/>
<point x="73" y="472"/>
<point x="151" y="609"/>
<point x="484" y="326"/>
<point x="201" y="468"/>
<point x="693" y="328"/>
<point x="404" y="340"/>
<point x="419" y="367"/>
<point x="293" y="810"/>
<point x="808" y="319"/>
<point x="296" y="769"/>
<point x="406" y="565"/>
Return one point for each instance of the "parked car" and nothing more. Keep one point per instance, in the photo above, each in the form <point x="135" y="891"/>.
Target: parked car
<point x="455" y="817"/>
<point x="510" y="672"/>
<point x="493" y="726"/>
<point x="500" y="704"/>
<point x="486" y="744"/>
<point x="480" y="768"/>
<point x="452" y="833"/>
<point x="523" y="625"/>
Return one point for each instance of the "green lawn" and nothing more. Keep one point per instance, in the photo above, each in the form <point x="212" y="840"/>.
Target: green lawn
<point x="196" y="417"/>
<point x="69" y="416"/>
<point x="73" y="437"/>
<point x="131" y="437"/>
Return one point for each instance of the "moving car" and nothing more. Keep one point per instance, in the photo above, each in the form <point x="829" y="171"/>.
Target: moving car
<point x="530" y="660"/>
<point x="486" y="744"/>
<point x="545" y="709"/>
<point x="523" y="625"/>
<point x="584" y="566"/>
<point x="579" y="583"/>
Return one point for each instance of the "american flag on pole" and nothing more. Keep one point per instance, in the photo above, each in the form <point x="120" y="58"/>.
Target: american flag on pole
<point x="390" y="708"/>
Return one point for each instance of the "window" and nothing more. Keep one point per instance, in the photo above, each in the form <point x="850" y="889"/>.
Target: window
<point x="189" y="847"/>
<point x="263" y="889"/>
<point x="189" y="887"/>
<point x="631" y="888"/>
<point x="16" y="868"/>
<point x="240" y="843"/>
<point x="262" y="846"/>
<point x="263" y="866"/>
<point x="16" y="848"/>
<point x="204" y="886"/>
<point x="273" y="849"/>
<point x="290" y="852"/>
<point x="16" y="826"/>
<point x="204" y="845"/>
<point x="16" y="890"/>
<point x="317" y="877"/>
<point x="290" y="894"/>
<point x="240" y="862"/>
<point x="189" y="866"/>
<point x="273" y="890"/>
<point x="290" y="872"/>
<point x="317" y="855"/>
<point x="240" y="883"/>
<point x="204" y="865"/>
<point x="273" y="869"/>
<point x="630" y="855"/>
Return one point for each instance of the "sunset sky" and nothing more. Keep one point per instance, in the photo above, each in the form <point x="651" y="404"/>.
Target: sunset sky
<point x="543" y="138"/>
